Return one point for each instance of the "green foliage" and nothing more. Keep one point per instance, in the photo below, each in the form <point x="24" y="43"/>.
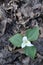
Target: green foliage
<point x="30" y="51"/>
<point x="32" y="34"/>
<point x="16" y="40"/>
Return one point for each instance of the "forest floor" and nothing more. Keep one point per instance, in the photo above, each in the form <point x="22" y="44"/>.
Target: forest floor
<point x="16" y="16"/>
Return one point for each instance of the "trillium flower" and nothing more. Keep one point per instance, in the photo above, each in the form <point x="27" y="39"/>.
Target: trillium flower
<point x="26" y="42"/>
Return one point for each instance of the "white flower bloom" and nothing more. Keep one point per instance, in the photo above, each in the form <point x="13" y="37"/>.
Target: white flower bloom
<point x="26" y="42"/>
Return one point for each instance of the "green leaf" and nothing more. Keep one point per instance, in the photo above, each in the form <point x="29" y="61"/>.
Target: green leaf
<point x="30" y="51"/>
<point x="32" y="34"/>
<point x="16" y="40"/>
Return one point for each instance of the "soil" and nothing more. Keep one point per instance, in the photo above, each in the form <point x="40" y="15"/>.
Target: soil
<point x="16" y="16"/>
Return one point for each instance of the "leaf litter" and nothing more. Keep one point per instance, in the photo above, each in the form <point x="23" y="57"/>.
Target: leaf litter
<point x="16" y="16"/>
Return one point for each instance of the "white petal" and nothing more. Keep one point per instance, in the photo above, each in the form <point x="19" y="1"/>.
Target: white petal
<point x="26" y="42"/>
<point x="29" y="44"/>
<point x="25" y="39"/>
<point x="23" y="45"/>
